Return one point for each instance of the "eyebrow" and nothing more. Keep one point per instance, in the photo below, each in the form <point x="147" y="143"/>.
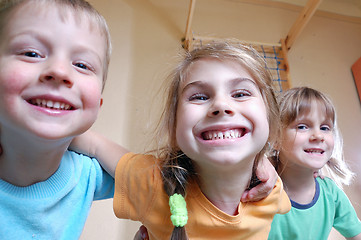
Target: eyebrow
<point x="200" y="83"/>
<point x="43" y="39"/>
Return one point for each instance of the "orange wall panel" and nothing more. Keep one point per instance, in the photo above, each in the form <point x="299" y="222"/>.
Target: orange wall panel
<point x="356" y="71"/>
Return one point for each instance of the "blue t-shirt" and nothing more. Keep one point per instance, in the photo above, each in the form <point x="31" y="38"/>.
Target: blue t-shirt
<point x="55" y="209"/>
<point x="329" y="208"/>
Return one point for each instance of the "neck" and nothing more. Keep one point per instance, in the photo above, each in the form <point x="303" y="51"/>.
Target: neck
<point x="299" y="184"/>
<point x="27" y="159"/>
<point x="224" y="187"/>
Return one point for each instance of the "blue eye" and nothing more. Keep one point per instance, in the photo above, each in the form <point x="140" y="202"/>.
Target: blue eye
<point x="202" y="98"/>
<point x="241" y="93"/>
<point x="325" y="128"/>
<point x="81" y="65"/>
<point x="198" y="96"/>
<point x="301" y="127"/>
<point x="32" y="54"/>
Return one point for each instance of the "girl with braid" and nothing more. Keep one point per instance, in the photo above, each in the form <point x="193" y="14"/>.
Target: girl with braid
<point x="220" y="120"/>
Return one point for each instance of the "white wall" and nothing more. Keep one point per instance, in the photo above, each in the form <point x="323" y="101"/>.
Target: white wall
<point x="146" y="38"/>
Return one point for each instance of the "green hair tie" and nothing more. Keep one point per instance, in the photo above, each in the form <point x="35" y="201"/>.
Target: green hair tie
<point x="178" y="209"/>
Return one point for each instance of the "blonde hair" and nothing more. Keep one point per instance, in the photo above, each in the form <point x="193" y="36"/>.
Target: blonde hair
<point x="78" y="7"/>
<point x="297" y="101"/>
<point x="177" y="168"/>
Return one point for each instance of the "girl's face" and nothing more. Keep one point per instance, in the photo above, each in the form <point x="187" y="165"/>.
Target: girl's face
<point x="308" y="141"/>
<point x="221" y="115"/>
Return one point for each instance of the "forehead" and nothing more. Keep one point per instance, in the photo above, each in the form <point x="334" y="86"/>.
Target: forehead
<point x="82" y="14"/>
<point x="43" y="8"/>
<point x="315" y="109"/>
<point x="49" y="17"/>
<point x="207" y="69"/>
<point x="210" y="62"/>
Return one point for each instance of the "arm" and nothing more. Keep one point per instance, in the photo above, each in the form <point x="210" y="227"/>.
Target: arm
<point x="104" y="150"/>
<point x="267" y="174"/>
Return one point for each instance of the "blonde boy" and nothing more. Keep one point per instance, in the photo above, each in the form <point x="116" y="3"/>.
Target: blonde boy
<point x="54" y="56"/>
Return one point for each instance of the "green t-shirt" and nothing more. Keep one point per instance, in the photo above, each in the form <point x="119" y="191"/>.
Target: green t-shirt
<point x="314" y="221"/>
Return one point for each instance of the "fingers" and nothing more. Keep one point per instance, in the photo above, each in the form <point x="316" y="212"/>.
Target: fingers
<point x="257" y="193"/>
<point x="318" y="174"/>
<point x="262" y="171"/>
<point x="142" y="233"/>
<point x="268" y="176"/>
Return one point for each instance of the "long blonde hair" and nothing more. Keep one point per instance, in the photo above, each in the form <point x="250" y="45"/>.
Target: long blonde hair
<point x="177" y="168"/>
<point x="297" y="101"/>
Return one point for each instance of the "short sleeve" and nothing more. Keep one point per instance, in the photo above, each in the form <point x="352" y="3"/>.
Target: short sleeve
<point x="104" y="182"/>
<point x="346" y="220"/>
<point x="137" y="180"/>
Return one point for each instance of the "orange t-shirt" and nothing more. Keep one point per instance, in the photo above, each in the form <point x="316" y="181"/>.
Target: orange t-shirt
<point x="139" y="196"/>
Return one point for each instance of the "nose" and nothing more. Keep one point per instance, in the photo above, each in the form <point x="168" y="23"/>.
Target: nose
<point x="57" y="71"/>
<point x="221" y="107"/>
<point x="317" y="135"/>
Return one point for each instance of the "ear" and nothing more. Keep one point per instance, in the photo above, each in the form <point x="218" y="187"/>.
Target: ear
<point x="101" y="102"/>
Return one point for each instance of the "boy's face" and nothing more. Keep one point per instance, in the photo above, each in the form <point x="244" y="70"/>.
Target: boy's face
<point x="51" y="71"/>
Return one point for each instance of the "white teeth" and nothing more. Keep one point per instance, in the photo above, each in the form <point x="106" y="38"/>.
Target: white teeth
<point x="232" y="134"/>
<point x="56" y="105"/>
<point x="314" y="151"/>
<point x="214" y="135"/>
<point x="50" y="104"/>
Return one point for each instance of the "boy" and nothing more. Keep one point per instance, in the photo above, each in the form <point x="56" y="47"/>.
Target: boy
<point x="54" y="56"/>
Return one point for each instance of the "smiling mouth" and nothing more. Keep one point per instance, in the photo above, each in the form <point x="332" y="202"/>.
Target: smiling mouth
<point x="229" y="134"/>
<point x="317" y="151"/>
<point x="50" y="104"/>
